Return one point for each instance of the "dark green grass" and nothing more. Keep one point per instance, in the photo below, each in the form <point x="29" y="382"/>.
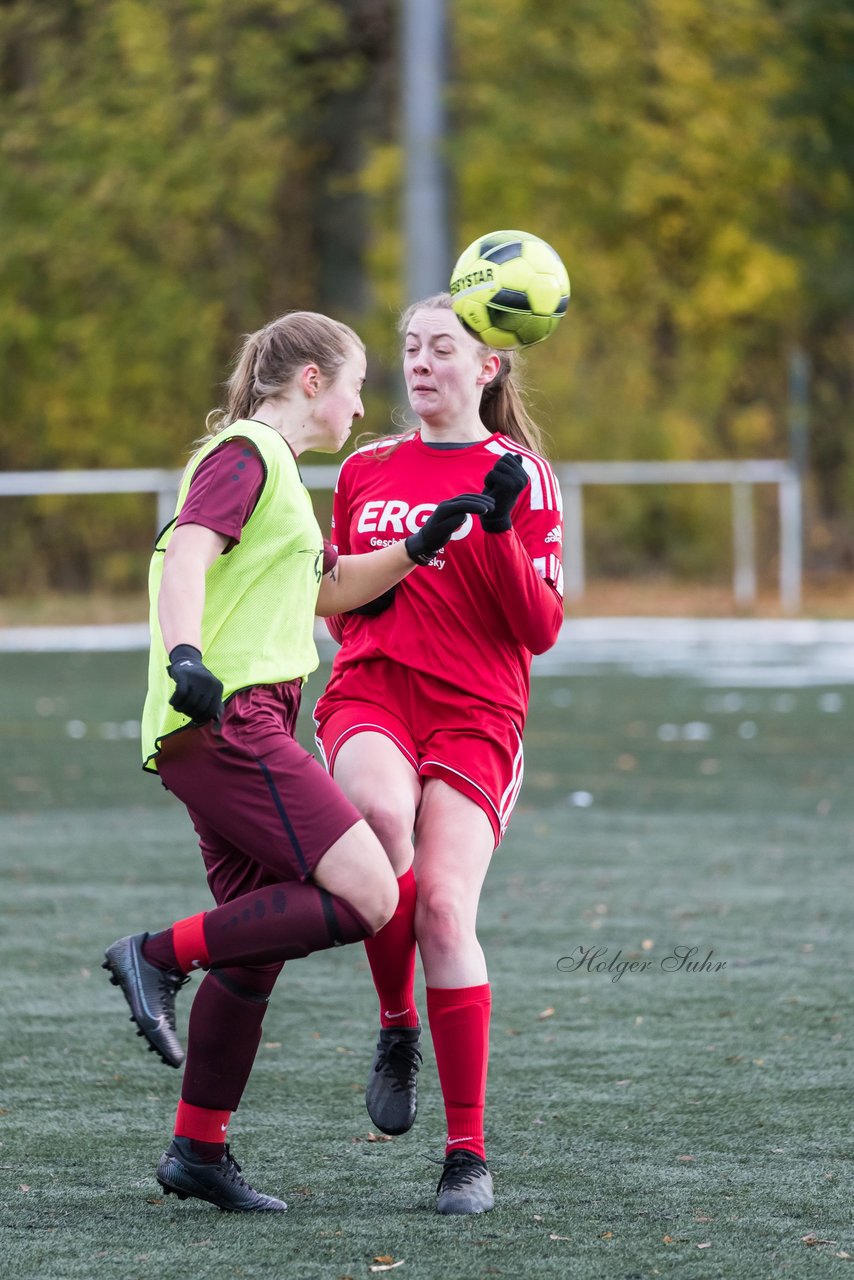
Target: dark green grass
<point x="708" y="1108"/>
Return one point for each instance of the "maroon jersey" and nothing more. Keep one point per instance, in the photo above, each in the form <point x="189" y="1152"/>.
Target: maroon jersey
<point x="225" y="490"/>
<point x="486" y="601"/>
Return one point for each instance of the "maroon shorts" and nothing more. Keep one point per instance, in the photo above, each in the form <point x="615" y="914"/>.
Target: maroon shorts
<point x="471" y="745"/>
<point x="264" y="809"/>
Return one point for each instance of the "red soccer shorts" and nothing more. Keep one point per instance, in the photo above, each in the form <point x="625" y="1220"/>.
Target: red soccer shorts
<point x="472" y="745"/>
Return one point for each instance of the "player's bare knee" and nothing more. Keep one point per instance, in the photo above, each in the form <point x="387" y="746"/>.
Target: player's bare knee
<point x="377" y="896"/>
<point x="376" y="884"/>
<point x="388" y="819"/>
<point x="441" y="921"/>
<point x="357" y="870"/>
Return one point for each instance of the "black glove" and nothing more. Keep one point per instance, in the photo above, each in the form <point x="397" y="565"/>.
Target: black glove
<point x="373" y="608"/>
<point x="198" y="693"/>
<point x="504" y="483"/>
<point x="445" y="520"/>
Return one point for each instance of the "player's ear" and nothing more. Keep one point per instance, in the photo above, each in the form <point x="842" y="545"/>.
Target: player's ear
<point x="489" y="369"/>
<point x="309" y="379"/>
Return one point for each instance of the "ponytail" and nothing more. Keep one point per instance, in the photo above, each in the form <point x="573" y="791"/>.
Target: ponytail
<point x="242" y="385"/>
<point x="503" y="407"/>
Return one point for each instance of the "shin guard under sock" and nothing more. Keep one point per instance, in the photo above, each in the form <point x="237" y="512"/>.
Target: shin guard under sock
<point x="391" y="955"/>
<point x="272" y="924"/>
<point x="280" y="922"/>
<point x="224" y="1034"/>
<point x="459" y="1027"/>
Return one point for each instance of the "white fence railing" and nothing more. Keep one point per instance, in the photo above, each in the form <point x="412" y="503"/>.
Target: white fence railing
<point x="573" y="477"/>
<point x="740" y="476"/>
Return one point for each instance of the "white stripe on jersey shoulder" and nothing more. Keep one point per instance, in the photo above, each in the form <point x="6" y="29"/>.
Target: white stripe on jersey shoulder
<point x="533" y="462"/>
<point x="555" y="502"/>
<point x="545" y="494"/>
<point x="371" y="447"/>
<point x="376" y="444"/>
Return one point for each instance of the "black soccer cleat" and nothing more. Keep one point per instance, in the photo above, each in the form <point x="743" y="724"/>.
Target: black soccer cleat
<point x="221" y="1184"/>
<point x="150" y="992"/>
<point x="465" y="1185"/>
<point x="391" y="1095"/>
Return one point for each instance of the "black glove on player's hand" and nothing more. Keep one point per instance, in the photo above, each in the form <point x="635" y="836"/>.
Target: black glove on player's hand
<point x="445" y="520"/>
<point x="198" y="693"/>
<point x="373" y="608"/>
<point x="504" y="483"/>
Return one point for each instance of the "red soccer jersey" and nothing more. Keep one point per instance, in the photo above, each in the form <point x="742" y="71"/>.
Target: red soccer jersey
<point x="486" y="601"/>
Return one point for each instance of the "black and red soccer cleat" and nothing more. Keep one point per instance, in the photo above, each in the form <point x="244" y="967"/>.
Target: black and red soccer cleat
<point x="150" y="992"/>
<point x="220" y="1183"/>
<point x="391" y="1093"/>
<point x="465" y="1185"/>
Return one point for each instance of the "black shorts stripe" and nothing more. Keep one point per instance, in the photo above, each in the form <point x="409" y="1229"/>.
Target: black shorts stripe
<point x="280" y="809"/>
<point x="330" y="917"/>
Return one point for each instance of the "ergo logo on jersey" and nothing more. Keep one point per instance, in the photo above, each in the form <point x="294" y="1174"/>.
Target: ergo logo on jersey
<point x="382" y="516"/>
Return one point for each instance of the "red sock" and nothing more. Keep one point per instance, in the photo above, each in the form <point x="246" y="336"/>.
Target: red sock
<point x="181" y="947"/>
<point x="459" y="1025"/>
<point x="188" y="939"/>
<point x="391" y="955"/>
<point x="206" y="1130"/>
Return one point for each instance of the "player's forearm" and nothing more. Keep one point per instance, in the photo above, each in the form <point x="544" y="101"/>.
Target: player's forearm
<point x="532" y="608"/>
<point x="181" y="603"/>
<point x="191" y="551"/>
<point x="357" y="579"/>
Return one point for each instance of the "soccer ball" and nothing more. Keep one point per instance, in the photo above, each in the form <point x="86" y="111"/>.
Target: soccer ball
<point x="510" y="289"/>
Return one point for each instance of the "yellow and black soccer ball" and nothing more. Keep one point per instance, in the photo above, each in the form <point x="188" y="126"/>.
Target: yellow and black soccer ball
<point x="510" y="289"/>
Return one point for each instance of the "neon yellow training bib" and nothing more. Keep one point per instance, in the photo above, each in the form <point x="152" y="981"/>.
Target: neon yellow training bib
<point x="258" y="621"/>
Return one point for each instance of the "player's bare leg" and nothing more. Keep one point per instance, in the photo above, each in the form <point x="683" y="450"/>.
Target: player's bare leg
<point x="454" y="841"/>
<point x="382" y="784"/>
<point x="387" y="791"/>
<point x="354" y="869"/>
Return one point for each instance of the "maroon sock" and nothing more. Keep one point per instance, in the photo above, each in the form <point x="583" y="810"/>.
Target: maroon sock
<point x="159" y="950"/>
<point x="279" y="922"/>
<point x="224" y="1034"/>
<point x="207" y="1152"/>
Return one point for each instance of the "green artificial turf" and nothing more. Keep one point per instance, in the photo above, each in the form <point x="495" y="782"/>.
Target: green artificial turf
<point x="630" y="1121"/>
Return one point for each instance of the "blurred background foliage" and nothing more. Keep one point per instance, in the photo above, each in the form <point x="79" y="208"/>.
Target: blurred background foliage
<point x="175" y="172"/>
